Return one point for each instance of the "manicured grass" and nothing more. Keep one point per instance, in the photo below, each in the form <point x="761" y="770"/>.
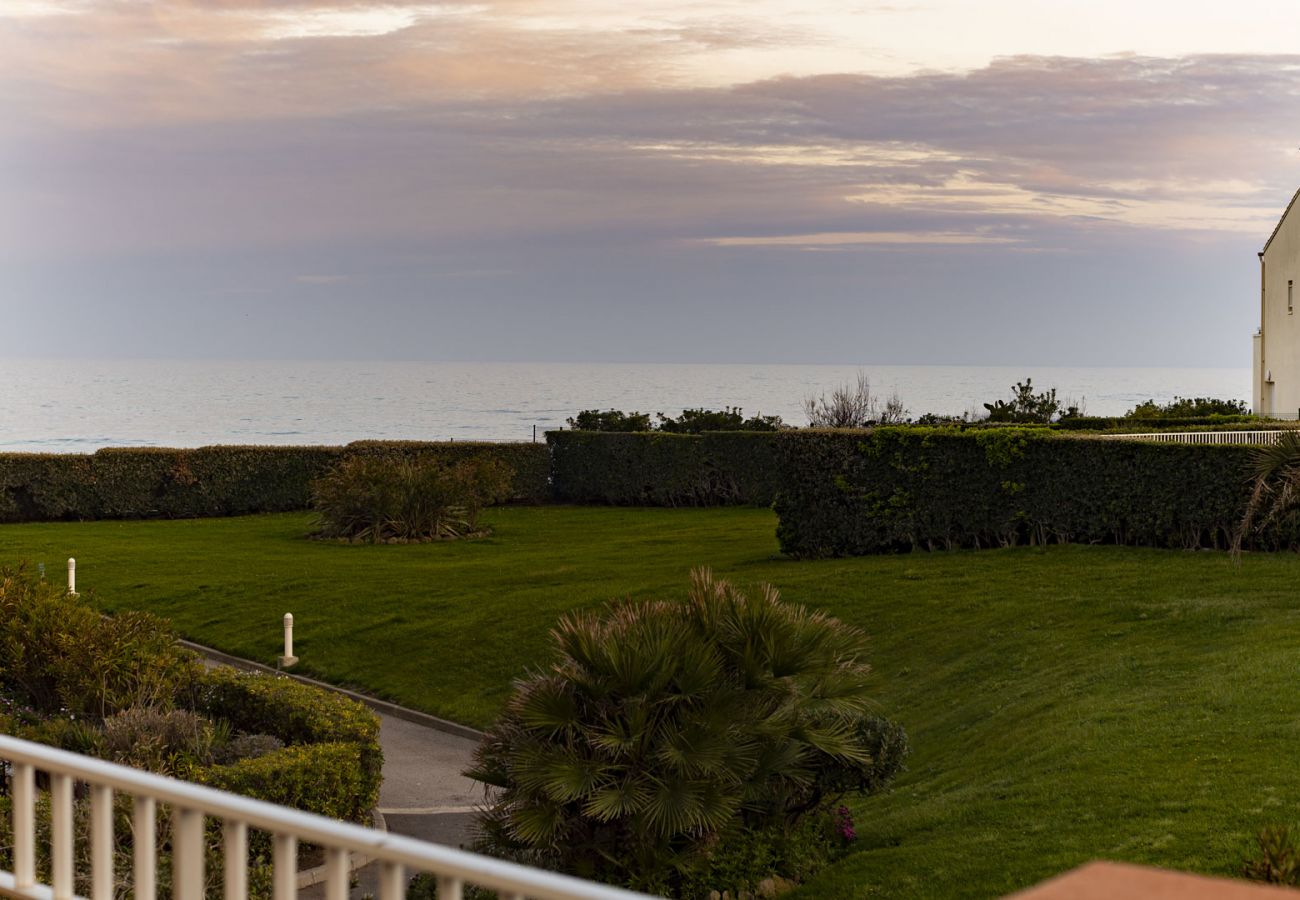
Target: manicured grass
<point x="1064" y="705"/>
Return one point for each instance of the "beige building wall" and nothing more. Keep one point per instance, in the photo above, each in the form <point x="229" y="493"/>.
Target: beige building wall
<point x="1277" y="360"/>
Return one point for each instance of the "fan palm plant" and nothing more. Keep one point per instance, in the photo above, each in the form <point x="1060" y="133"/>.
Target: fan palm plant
<point x="1275" y="490"/>
<point x="662" y="727"/>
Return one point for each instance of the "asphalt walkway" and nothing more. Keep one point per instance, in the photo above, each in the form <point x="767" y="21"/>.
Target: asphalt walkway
<point x="424" y="795"/>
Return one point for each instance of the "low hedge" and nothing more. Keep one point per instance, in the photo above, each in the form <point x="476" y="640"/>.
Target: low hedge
<point x="898" y="489"/>
<point x="327" y="779"/>
<point x="144" y="483"/>
<point x="659" y="469"/>
<point x="303" y="717"/>
<point x="1121" y="423"/>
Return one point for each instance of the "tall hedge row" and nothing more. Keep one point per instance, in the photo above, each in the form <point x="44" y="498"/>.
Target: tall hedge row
<point x="660" y="469"/>
<point x="897" y="489"/>
<point x="140" y="483"/>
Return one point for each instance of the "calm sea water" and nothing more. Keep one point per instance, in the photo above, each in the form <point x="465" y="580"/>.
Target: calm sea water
<point x="66" y="406"/>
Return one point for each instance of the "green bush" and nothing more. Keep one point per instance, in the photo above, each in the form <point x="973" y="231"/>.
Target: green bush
<point x="1188" y="408"/>
<point x="610" y="420"/>
<point x="297" y="714"/>
<point x="1123" y="424"/>
<point x="327" y="779"/>
<point x="658" y="469"/>
<point x="1025" y="406"/>
<point x="731" y="418"/>
<point x="58" y="654"/>
<point x="660" y="732"/>
<point x="143" y="483"/>
<point x="899" y="489"/>
<point x="377" y="498"/>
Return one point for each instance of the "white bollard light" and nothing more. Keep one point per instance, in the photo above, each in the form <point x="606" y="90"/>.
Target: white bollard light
<point x="288" y="659"/>
<point x="72" y="576"/>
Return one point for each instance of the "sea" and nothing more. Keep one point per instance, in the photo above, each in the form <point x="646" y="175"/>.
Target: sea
<point x="82" y="405"/>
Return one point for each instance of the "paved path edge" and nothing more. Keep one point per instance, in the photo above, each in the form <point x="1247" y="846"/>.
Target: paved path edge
<point x="391" y="709"/>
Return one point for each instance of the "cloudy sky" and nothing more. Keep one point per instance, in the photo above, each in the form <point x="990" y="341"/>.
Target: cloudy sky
<point x="1004" y="182"/>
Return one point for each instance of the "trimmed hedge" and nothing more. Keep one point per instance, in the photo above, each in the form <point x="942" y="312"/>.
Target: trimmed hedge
<point x="326" y="779"/>
<point x="1155" y="423"/>
<point x="147" y="483"/>
<point x="898" y="489"/>
<point x="658" y="469"/>
<point x="304" y="717"/>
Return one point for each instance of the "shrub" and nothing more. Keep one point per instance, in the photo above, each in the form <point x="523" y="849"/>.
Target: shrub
<point x="658" y="469"/>
<point x="853" y="406"/>
<point x="326" y="779"/>
<point x="610" y="420"/>
<point x="661" y="731"/>
<point x="1027" y="407"/>
<point x="172" y="742"/>
<point x="247" y="746"/>
<point x="1188" y="408"/>
<point x="899" y="489"/>
<point x="1276" y="859"/>
<point x="698" y="421"/>
<point x="297" y="714"/>
<point x="59" y="654"/>
<point x="375" y="498"/>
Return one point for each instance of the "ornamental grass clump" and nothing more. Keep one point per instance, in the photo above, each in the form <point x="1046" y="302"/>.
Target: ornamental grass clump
<point x="379" y="499"/>
<point x="664" y="736"/>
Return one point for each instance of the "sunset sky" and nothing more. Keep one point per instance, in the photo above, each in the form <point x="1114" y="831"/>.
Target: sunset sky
<point x="1029" y="182"/>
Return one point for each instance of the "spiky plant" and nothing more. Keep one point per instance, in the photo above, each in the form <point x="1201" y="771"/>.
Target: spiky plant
<point x="1275" y="490"/>
<point x="662" y="727"/>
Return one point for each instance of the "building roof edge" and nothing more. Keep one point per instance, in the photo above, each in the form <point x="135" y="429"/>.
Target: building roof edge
<point x="1278" y="227"/>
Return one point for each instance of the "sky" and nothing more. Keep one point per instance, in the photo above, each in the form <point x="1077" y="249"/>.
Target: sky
<point x="1036" y="182"/>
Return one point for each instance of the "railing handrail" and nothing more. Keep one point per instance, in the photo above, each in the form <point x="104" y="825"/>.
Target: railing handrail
<point x="500" y="875"/>
<point x="1198" y="437"/>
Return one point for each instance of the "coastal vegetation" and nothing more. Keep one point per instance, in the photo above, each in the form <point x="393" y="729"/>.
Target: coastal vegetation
<point x="1063" y="703"/>
<point x="396" y="499"/>
<point x="691" y="421"/>
<point x="122" y="689"/>
<point x="660" y="736"/>
<point x="902" y="489"/>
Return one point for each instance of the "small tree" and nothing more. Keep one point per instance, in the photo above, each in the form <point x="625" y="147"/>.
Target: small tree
<point x="662" y="729"/>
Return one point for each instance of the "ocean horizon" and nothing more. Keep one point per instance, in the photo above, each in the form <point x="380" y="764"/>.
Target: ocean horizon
<point x="78" y="406"/>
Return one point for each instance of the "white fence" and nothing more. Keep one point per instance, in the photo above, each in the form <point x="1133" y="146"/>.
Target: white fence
<point x="192" y="804"/>
<point x="1199" y="437"/>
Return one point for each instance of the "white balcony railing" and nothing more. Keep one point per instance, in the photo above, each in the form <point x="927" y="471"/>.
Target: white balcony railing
<point x="192" y="804"/>
<point x="1199" y="437"/>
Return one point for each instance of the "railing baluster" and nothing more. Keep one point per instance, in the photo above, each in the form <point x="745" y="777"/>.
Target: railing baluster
<point x="145" y="842"/>
<point x="187" y="854"/>
<point x="392" y="881"/>
<point x="449" y="887"/>
<point x="61" y="828"/>
<point x="192" y="808"/>
<point x="236" y="850"/>
<point x="101" y="842"/>
<point x="24" y="825"/>
<point x="336" y="874"/>
<point x="285" y="864"/>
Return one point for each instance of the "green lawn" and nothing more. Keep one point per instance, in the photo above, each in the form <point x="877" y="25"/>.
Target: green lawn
<point x="1063" y="705"/>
